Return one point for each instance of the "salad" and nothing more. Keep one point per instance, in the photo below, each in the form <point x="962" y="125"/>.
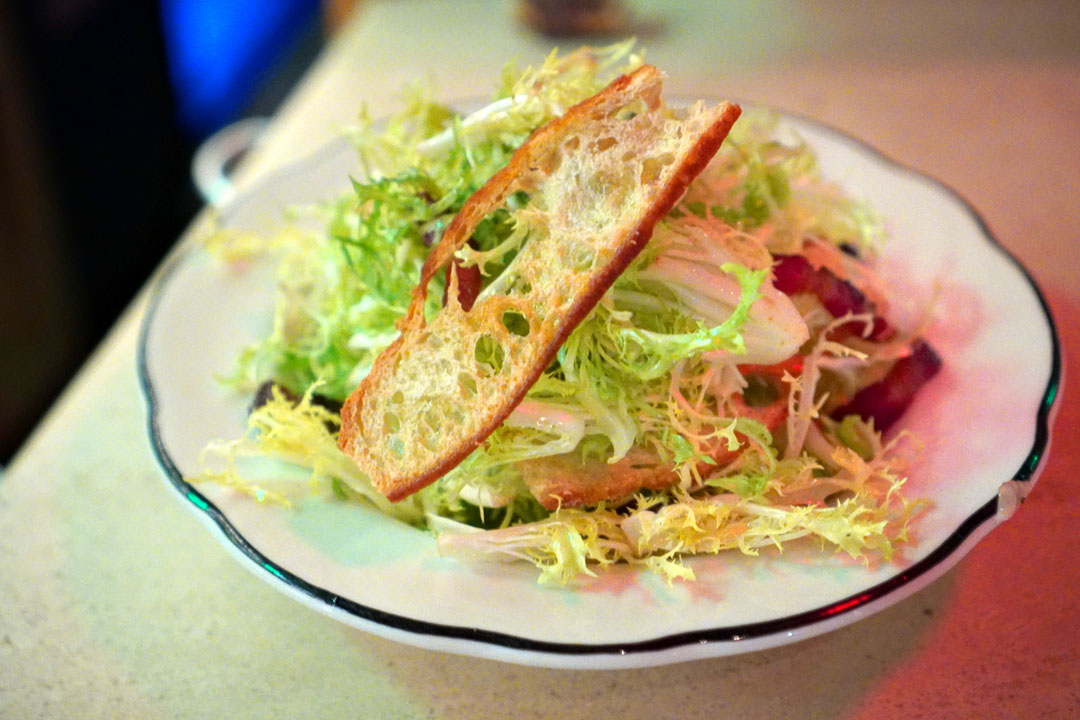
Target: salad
<point x="743" y="362"/>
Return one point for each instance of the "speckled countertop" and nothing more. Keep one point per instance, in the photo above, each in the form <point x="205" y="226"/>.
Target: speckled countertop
<point x="116" y="602"/>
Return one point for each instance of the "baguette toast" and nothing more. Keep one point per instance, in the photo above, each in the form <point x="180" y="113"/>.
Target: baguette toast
<point x="569" y="481"/>
<point x="598" y="179"/>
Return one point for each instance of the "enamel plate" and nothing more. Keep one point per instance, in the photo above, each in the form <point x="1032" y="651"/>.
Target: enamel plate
<point x="387" y="578"/>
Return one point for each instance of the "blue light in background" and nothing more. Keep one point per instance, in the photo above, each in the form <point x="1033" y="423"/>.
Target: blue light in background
<point x="220" y="51"/>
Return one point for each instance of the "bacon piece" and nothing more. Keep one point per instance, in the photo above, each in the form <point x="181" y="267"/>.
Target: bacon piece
<point x="794" y="274"/>
<point x="886" y="400"/>
<point x="468" y="284"/>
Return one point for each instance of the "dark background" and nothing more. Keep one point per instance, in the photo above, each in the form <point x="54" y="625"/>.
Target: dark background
<point x="102" y="104"/>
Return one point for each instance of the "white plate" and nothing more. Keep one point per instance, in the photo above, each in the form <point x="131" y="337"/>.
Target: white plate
<point x="984" y="420"/>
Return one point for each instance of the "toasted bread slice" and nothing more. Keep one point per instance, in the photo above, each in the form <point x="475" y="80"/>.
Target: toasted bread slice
<point x="568" y="481"/>
<point x="598" y="179"/>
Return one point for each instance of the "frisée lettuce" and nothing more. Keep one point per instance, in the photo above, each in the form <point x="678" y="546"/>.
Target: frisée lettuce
<point x="694" y="357"/>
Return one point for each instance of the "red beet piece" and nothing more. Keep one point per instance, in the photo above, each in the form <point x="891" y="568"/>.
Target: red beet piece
<point x="886" y="400"/>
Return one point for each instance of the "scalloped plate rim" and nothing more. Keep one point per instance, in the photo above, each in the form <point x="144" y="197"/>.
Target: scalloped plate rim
<point x="662" y="649"/>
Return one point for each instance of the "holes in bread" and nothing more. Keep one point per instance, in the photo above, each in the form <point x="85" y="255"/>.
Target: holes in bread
<point x="391" y="423"/>
<point x="582" y="258"/>
<point x="396" y="446"/>
<point x="517" y="200"/>
<point x="572" y="144"/>
<point x="428" y="442"/>
<point x="495" y="242"/>
<point x="433" y="420"/>
<point x="516" y="323"/>
<point x="653" y="167"/>
<point x="612" y="185"/>
<point x="631" y="110"/>
<point x="489" y="353"/>
<point x="604" y="143"/>
<point x="467" y="384"/>
<point x="517" y="285"/>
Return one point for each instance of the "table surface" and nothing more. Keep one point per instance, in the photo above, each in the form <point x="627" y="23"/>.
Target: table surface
<point x="116" y="602"/>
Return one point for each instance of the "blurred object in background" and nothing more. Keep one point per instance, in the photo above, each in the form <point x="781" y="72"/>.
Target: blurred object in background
<point x="224" y="54"/>
<point x="569" y="18"/>
<point x="102" y="104"/>
<point x="217" y="158"/>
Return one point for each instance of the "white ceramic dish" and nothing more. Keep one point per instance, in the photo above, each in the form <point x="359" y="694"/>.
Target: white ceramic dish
<point x="984" y="421"/>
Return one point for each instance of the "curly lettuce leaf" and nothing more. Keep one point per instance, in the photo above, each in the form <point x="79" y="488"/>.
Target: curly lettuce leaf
<point x="343" y="286"/>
